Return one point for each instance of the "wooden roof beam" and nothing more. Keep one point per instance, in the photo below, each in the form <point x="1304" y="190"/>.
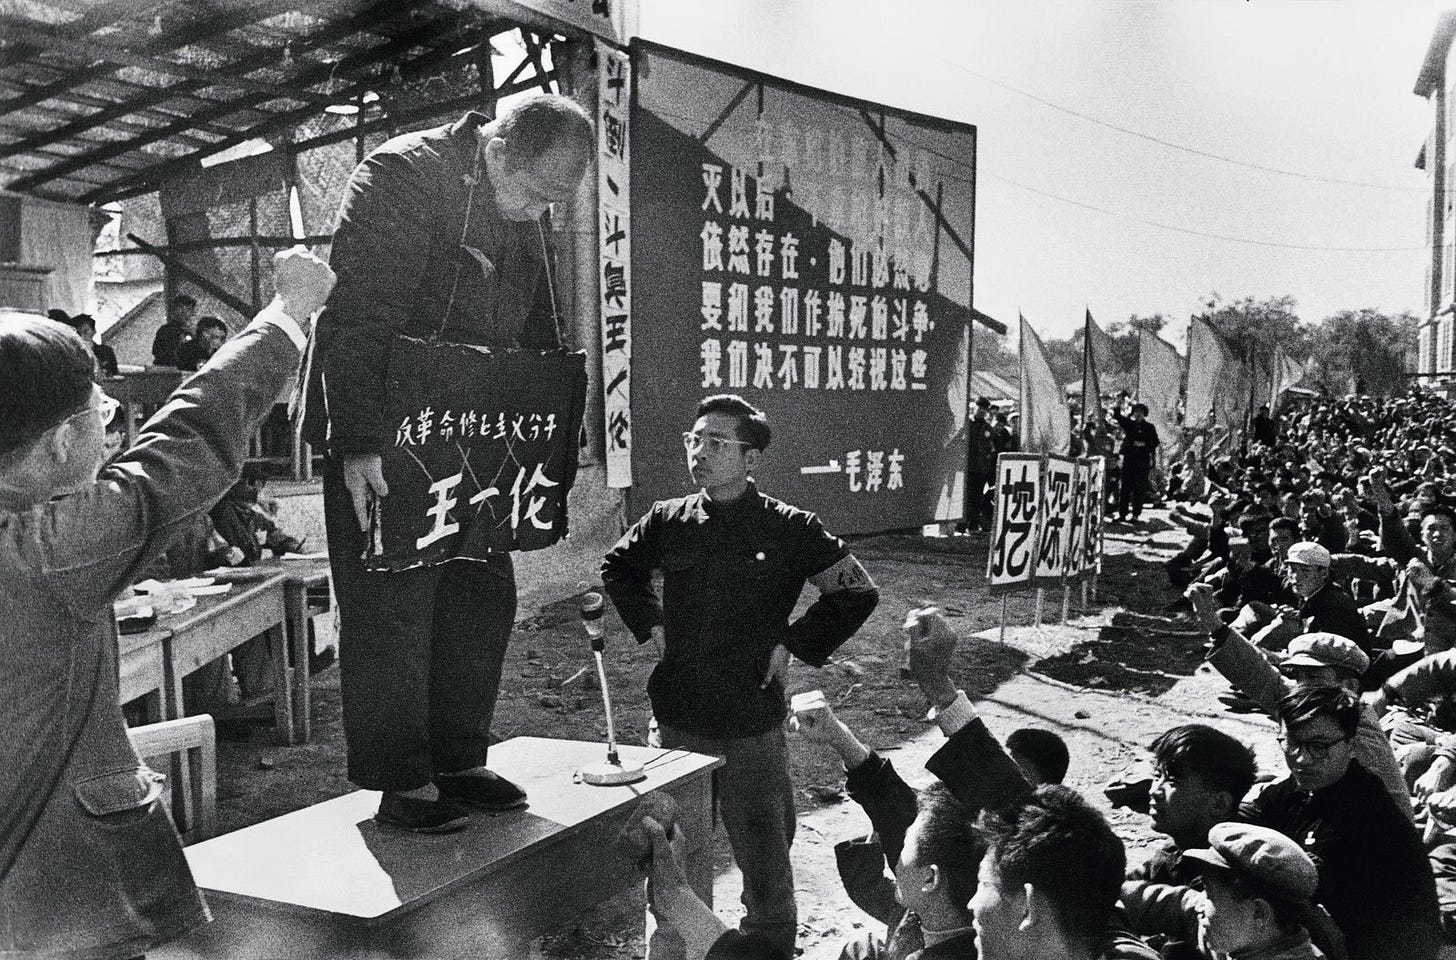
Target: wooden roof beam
<point x="286" y="120"/>
<point x="218" y="22"/>
<point x="103" y="51"/>
<point x="371" y="14"/>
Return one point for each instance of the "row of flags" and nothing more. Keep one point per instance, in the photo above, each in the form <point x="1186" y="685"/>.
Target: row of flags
<point x="1223" y="386"/>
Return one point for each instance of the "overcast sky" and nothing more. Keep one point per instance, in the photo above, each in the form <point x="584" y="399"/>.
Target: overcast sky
<point x="1317" y="87"/>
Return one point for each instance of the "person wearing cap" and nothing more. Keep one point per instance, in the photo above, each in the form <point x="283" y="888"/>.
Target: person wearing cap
<point x="1253" y="901"/>
<point x="1324" y="605"/>
<point x="1319" y="660"/>
<point x="1424" y="574"/>
<point x="90" y="864"/>
<point x="1139" y="450"/>
<point x="980" y="467"/>
<point x="1373" y="875"/>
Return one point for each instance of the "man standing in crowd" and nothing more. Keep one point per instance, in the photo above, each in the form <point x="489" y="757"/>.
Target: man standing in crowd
<point x="1263" y="427"/>
<point x="734" y="562"/>
<point x="980" y="467"/>
<point x="440" y="237"/>
<point x="1139" y="447"/>
<point x="90" y="864"/>
<point x="181" y="322"/>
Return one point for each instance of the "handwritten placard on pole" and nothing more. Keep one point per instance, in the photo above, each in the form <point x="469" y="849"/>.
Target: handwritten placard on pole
<point x="1058" y="479"/>
<point x="484" y="452"/>
<point x="1017" y="491"/>
<point x="1076" y="565"/>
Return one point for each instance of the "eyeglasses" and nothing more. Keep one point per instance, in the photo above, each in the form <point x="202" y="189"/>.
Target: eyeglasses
<point x="106" y="410"/>
<point x="1315" y="749"/>
<point x="710" y="442"/>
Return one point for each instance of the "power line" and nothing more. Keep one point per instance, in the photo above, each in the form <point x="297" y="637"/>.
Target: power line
<point x="1196" y="233"/>
<point x="1297" y="174"/>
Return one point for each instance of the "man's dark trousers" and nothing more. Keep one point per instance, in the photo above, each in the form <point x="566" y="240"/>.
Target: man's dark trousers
<point x="979" y="504"/>
<point x="420" y="655"/>
<point x="1133" y="490"/>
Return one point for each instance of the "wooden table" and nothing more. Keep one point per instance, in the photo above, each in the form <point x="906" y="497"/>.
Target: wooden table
<point x="143" y="663"/>
<point x="222" y="623"/>
<point x="305" y="592"/>
<point x="327" y="882"/>
<point x="137" y="391"/>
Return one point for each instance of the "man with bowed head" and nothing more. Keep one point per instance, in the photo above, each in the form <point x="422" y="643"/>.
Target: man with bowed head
<point x="90" y="865"/>
<point x="440" y="238"/>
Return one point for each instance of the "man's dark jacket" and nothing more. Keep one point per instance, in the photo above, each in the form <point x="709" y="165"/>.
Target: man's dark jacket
<point x="1373" y="875"/>
<point x="403" y="269"/>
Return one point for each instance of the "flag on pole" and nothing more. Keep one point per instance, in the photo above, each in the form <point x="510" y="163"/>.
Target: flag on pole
<point x="1159" y="385"/>
<point x="1096" y="356"/>
<point x="1287" y="373"/>
<point x="1045" y="427"/>
<point x="1218" y="381"/>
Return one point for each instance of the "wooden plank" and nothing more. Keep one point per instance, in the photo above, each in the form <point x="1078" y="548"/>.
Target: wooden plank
<point x="339" y="862"/>
<point x="553" y="861"/>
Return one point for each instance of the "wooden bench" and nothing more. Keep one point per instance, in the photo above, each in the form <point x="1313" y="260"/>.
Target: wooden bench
<point x="328" y="882"/>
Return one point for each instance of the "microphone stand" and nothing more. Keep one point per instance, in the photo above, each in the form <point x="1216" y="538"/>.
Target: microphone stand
<point x="610" y="772"/>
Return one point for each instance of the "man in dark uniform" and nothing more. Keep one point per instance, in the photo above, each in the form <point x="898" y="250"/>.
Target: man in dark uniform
<point x="980" y="468"/>
<point x="440" y="236"/>
<point x="1264" y="430"/>
<point x="733" y="564"/>
<point x="1139" y="445"/>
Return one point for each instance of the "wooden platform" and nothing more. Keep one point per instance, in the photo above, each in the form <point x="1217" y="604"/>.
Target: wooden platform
<point x="327" y="881"/>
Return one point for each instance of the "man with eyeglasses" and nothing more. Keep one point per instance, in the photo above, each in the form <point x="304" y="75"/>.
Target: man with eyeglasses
<point x="733" y="564"/>
<point x="1373" y="875"/>
<point x="90" y="865"/>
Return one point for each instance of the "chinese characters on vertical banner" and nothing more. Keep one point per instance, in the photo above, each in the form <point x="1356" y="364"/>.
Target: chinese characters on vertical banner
<point x="1048" y="521"/>
<point x="1058" y="477"/>
<point x="614" y="100"/>
<point x="1018" y="509"/>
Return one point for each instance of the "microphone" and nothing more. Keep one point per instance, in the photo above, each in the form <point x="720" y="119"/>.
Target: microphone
<point x="611" y="772"/>
<point x="591" y="620"/>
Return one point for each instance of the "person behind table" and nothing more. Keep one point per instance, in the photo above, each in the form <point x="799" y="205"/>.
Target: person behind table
<point x="1049" y="882"/>
<point x="90" y="864"/>
<point x="733" y="563"/>
<point x="85" y="325"/>
<point x="180" y="324"/>
<point x="193" y="352"/>
<point x="441" y="235"/>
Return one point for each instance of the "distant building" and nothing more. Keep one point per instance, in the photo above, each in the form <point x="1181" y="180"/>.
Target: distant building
<point x="1435" y="83"/>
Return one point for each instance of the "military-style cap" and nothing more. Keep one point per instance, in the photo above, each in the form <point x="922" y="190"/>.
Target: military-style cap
<point x="1263" y="855"/>
<point x="1326" y="650"/>
<point x="1308" y="553"/>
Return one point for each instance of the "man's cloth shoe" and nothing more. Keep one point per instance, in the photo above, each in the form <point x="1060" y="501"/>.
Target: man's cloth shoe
<point x="420" y="816"/>
<point x="481" y="791"/>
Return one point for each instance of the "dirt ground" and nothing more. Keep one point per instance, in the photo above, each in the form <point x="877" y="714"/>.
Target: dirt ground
<point x="1108" y="690"/>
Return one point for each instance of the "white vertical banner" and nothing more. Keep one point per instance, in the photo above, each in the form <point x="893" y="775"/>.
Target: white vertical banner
<point x="1017" y="490"/>
<point x="1058" y="479"/>
<point x="1076" y="550"/>
<point x="1096" y="507"/>
<point x="614" y="232"/>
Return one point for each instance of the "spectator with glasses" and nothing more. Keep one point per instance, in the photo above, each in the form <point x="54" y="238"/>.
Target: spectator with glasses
<point x="1373" y="876"/>
<point x="733" y="563"/>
